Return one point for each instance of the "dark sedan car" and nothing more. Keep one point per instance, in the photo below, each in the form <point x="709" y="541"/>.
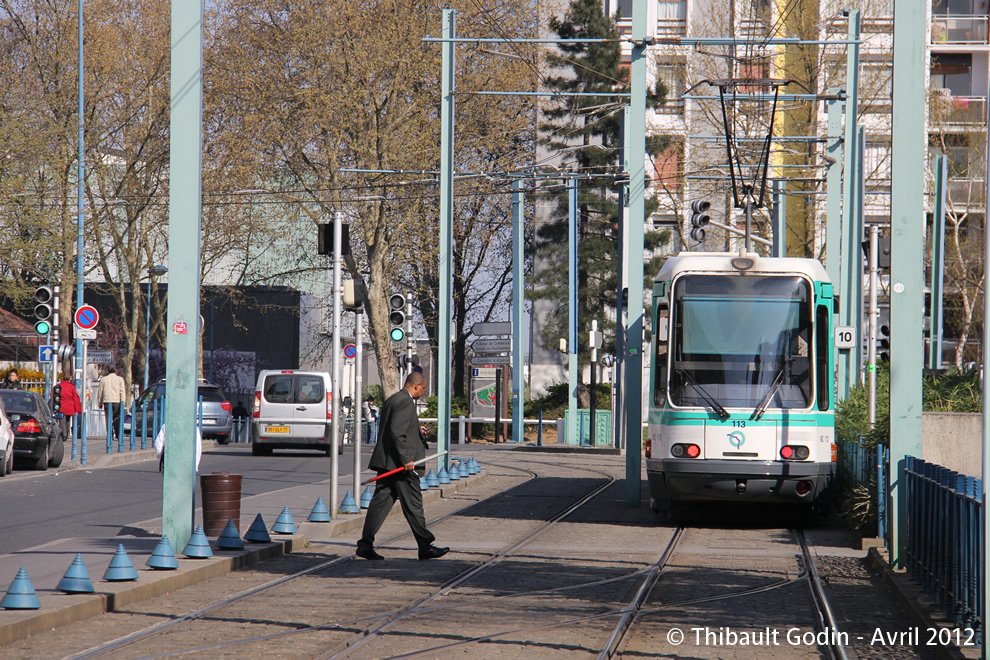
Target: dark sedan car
<point x="37" y="436"/>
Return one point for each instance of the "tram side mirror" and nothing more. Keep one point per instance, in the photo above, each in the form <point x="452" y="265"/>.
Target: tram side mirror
<point x="662" y="329"/>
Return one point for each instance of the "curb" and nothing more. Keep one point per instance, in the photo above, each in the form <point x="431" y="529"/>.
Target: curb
<point x="913" y="602"/>
<point x="58" y="609"/>
<point x="570" y="449"/>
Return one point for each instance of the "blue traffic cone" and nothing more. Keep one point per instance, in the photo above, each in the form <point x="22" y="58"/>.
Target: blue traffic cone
<point x="284" y="523"/>
<point x="198" y="546"/>
<point x="320" y="513"/>
<point x="76" y="579"/>
<point x="366" y="497"/>
<point x="258" y="532"/>
<point x="423" y="484"/>
<point x="163" y="558"/>
<point x="431" y="479"/>
<point x="230" y="538"/>
<point x="20" y="594"/>
<point x="462" y="467"/>
<point x="442" y="476"/>
<point x="120" y="569"/>
<point x="474" y="465"/>
<point x="454" y="474"/>
<point x="349" y="505"/>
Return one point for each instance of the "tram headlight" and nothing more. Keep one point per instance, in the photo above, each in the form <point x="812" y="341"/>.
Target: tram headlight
<point x="743" y="263"/>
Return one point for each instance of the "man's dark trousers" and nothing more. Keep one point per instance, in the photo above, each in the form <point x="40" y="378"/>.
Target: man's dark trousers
<point x="115" y="418"/>
<point x="405" y="487"/>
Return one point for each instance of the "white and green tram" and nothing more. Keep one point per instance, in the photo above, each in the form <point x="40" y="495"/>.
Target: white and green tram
<point x="741" y="394"/>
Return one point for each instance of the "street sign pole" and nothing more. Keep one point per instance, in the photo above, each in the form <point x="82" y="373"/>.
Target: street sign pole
<point x="357" y="398"/>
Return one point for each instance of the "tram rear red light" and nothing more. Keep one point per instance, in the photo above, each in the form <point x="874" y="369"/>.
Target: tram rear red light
<point x="648" y="448"/>
<point x="835" y="453"/>
<point x="794" y="452"/>
<point x="786" y="451"/>
<point x="693" y="451"/>
<point x="803" y="487"/>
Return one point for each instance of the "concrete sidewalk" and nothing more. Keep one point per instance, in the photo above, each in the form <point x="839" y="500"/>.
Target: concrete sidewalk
<point x="46" y="564"/>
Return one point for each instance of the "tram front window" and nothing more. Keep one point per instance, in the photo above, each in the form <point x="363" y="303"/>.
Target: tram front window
<point x="740" y="339"/>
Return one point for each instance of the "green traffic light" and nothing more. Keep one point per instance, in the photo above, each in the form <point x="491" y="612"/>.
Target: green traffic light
<point x="397" y="334"/>
<point x="42" y="327"/>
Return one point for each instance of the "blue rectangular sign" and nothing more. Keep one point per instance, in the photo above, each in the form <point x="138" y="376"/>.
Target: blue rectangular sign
<point x="46" y="353"/>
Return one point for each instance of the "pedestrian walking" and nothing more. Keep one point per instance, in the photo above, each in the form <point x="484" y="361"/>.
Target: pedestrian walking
<point x="160" y="447"/>
<point x="112" y="390"/>
<point x="71" y="405"/>
<point x="401" y="444"/>
<point x="240" y="414"/>
<point x="371" y="417"/>
<point x="11" y="381"/>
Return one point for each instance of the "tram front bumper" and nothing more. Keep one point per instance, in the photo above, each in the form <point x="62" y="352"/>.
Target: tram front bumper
<point x="693" y="480"/>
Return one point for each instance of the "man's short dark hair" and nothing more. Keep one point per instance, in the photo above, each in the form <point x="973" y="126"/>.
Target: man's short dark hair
<point x="416" y="378"/>
<point x="111" y="369"/>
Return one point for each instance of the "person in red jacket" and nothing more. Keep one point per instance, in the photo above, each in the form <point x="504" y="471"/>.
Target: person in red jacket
<point x="70" y="407"/>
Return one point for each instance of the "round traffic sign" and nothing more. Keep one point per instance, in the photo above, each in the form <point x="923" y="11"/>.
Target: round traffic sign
<point x="350" y="351"/>
<point x="87" y="317"/>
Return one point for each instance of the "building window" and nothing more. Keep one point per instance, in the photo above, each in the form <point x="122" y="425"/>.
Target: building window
<point x="668" y="175"/>
<point x="672" y="74"/>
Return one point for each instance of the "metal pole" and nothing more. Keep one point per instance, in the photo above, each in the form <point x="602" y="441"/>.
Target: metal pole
<point x="572" y="314"/>
<point x="636" y="155"/>
<point x="872" y="321"/>
<point x="618" y="432"/>
<point x="850" y="276"/>
<point x="185" y="192"/>
<point x="444" y="315"/>
<point x="80" y="371"/>
<point x="358" y="398"/>
<point x="409" y="339"/>
<point x="833" y="189"/>
<point x="938" y="262"/>
<point x="985" y="380"/>
<point x="593" y="381"/>
<point x="335" y="362"/>
<point x="147" y="338"/>
<point x="749" y="222"/>
<point x="518" y="310"/>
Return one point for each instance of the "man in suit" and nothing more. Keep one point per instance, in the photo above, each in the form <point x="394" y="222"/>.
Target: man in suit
<point x="400" y="444"/>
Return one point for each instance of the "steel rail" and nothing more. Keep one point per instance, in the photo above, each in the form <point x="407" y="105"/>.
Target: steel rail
<point x="823" y="609"/>
<point x="160" y="628"/>
<point x="417" y="605"/>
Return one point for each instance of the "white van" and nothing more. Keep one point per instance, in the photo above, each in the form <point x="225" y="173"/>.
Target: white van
<point x="292" y="411"/>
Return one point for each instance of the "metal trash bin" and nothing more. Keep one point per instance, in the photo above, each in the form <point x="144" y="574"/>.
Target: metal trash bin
<point x="221" y="501"/>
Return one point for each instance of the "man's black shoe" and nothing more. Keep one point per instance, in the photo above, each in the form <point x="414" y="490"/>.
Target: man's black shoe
<point x="433" y="552"/>
<point x="369" y="554"/>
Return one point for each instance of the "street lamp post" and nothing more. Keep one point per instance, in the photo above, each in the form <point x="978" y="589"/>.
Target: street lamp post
<point x="154" y="271"/>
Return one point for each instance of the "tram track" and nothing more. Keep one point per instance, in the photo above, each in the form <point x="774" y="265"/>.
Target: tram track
<point x="367" y="628"/>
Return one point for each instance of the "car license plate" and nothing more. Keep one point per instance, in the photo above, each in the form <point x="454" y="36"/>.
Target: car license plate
<point x="276" y="429"/>
<point x="209" y="421"/>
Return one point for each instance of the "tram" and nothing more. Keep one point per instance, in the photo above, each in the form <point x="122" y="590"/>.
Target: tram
<point x="741" y="395"/>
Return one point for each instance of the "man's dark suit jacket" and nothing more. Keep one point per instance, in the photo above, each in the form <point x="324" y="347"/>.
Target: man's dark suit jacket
<point x="399" y="439"/>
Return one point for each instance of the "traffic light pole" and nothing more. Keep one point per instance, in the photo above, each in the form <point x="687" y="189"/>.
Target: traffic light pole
<point x="358" y="398"/>
<point x="337" y="297"/>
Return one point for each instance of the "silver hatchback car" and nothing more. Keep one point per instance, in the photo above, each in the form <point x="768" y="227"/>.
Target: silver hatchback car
<point x="217" y="417"/>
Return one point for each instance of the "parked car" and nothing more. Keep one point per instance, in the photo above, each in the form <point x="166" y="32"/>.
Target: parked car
<point x="292" y="411"/>
<point x="6" y="442"/>
<point x="217" y="418"/>
<point x="37" y="435"/>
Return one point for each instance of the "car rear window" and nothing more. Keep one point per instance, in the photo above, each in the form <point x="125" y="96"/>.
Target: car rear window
<point x="211" y="394"/>
<point x="19" y="402"/>
<point x="294" y="388"/>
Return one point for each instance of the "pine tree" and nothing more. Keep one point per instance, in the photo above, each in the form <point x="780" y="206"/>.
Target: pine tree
<point x="586" y="131"/>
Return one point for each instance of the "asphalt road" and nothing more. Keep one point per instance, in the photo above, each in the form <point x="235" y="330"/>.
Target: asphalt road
<point x="47" y="506"/>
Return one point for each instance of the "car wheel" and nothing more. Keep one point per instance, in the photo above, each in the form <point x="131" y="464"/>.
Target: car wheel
<point x="42" y="463"/>
<point x="10" y="460"/>
<point x="223" y="439"/>
<point x="56" y="458"/>
<point x="3" y="466"/>
<point x="260" y="450"/>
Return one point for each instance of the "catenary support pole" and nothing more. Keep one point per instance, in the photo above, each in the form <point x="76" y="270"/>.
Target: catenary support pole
<point x="833" y="188"/>
<point x="185" y="188"/>
<point x="850" y="284"/>
<point x="338" y="389"/>
<point x="80" y="371"/>
<point x="446" y="236"/>
<point x="872" y="321"/>
<point x="985" y="495"/>
<point x="938" y="262"/>
<point x="572" y="314"/>
<point x="518" y="309"/>
<point x="358" y="397"/>
<point x="908" y="140"/>
<point x="635" y="150"/>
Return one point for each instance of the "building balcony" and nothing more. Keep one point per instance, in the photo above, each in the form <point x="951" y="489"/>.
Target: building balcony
<point x="967" y="193"/>
<point x="956" y="110"/>
<point x="959" y="29"/>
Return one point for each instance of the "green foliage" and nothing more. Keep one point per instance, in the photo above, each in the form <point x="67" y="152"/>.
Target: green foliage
<point x="376" y="392"/>
<point x="554" y="402"/>
<point x="587" y="129"/>
<point x="458" y="407"/>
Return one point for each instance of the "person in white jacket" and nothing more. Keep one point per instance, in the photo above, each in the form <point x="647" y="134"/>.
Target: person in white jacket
<point x="160" y="448"/>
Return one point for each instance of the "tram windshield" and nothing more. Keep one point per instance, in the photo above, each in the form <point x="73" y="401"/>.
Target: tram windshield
<point x="741" y="340"/>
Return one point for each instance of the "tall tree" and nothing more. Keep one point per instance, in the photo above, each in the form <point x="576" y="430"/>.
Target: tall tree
<point x="585" y="131"/>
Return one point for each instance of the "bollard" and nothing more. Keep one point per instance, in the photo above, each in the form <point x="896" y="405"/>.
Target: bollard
<point x="198" y="546"/>
<point x="76" y="579"/>
<point x="460" y="430"/>
<point x="284" y="523"/>
<point x="442" y="476"/>
<point x="163" y="557"/>
<point x="120" y="569"/>
<point x="431" y="479"/>
<point x="120" y="427"/>
<point x="133" y="422"/>
<point x="230" y="538"/>
<point x="539" y="430"/>
<point x="349" y="505"/>
<point x="144" y="424"/>
<point x="366" y="497"/>
<point x="20" y="594"/>
<point x="257" y="532"/>
<point x="320" y="513"/>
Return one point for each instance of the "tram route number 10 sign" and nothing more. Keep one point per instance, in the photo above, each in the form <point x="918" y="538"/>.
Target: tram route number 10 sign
<point x="845" y="336"/>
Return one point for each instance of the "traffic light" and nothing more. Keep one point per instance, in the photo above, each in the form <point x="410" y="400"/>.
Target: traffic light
<point x="43" y="310"/>
<point x="699" y="218"/>
<point x="324" y="239"/>
<point x="397" y="316"/>
<point x="884" y="343"/>
<point x="405" y="361"/>
<point x="355" y="293"/>
<point x="57" y="398"/>
<point x="66" y="351"/>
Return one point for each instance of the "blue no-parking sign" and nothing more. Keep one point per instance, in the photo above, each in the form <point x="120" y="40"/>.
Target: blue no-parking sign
<point x="350" y="351"/>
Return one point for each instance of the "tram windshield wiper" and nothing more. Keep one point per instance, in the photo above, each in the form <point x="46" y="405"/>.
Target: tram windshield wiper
<point x="722" y="413"/>
<point x="761" y="408"/>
